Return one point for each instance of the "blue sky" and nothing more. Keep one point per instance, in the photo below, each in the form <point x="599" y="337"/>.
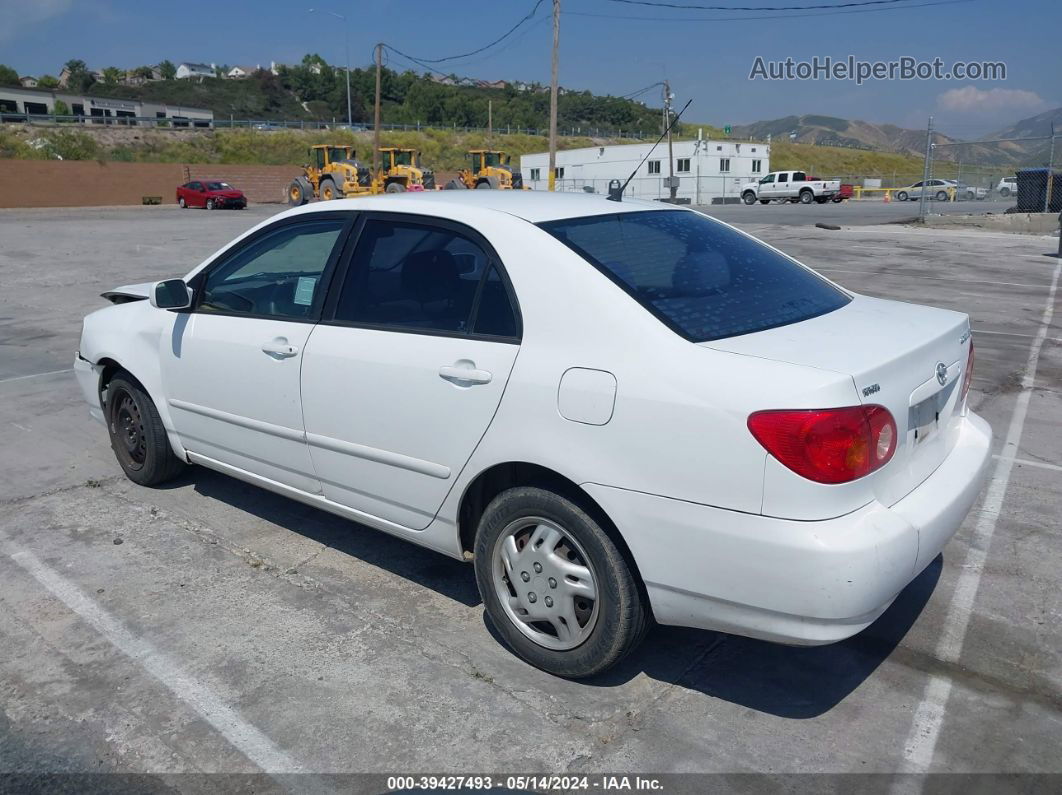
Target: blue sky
<point x="606" y="47"/>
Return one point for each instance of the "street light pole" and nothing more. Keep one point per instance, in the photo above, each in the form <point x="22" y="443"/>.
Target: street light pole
<point x="346" y="47"/>
<point x="376" y="114"/>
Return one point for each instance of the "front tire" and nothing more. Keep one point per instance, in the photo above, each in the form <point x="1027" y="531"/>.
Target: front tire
<point x="395" y="187"/>
<point x="137" y="434"/>
<point x="555" y="585"/>
<point x="901" y="196"/>
<point x="1004" y="192"/>
<point x="749" y="198"/>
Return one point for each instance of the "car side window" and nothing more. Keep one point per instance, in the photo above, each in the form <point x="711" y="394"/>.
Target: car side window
<point x="783" y="178"/>
<point x="412" y="276"/>
<point x="494" y="314"/>
<point x="276" y="275"/>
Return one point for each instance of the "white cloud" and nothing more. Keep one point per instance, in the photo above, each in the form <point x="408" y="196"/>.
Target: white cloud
<point x="971" y="99"/>
<point x="28" y="13"/>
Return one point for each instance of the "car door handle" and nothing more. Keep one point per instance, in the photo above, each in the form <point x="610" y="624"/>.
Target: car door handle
<point x="280" y="348"/>
<point x="465" y="375"/>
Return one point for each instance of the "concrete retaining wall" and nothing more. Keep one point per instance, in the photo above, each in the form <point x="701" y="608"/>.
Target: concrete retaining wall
<point x="87" y="183"/>
<point x="1017" y="223"/>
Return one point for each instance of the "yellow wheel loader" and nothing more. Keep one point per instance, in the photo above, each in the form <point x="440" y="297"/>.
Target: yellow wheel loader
<point x="333" y="173"/>
<point x="403" y="171"/>
<point x="488" y="169"/>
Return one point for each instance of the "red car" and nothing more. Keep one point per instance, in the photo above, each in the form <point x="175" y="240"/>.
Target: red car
<point x="210" y="193"/>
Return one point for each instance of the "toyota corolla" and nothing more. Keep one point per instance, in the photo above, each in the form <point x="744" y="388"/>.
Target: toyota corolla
<point x="620" y="412"/>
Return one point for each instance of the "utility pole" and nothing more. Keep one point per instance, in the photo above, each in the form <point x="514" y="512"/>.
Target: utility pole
<point x="490" y="123"/>
<point x="925" y="171"/>
<point x="1050" y="176"/>
<point x="553" y="99"/>
<point x="376" y="118"/>
<point x="346" y="40"/>
<point x="672" y="188"/>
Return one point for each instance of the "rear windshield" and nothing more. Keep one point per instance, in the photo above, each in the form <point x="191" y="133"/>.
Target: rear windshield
<point x="701" y="278"/>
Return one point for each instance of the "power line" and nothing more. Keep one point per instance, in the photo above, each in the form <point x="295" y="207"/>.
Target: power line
<point x="422" y="61"/>
<point x="633" y="94"/>
<point x="789" y="15"/>
<point x="697" y="7"/>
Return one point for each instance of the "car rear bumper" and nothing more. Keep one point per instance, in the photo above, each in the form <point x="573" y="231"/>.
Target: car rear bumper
<point x="797" y="582"/>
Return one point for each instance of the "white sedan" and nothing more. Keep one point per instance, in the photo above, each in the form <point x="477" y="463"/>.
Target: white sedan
<point x="619" y="412"/>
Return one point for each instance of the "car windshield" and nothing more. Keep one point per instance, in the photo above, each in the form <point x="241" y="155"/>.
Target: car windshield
<point x="701" y="278"/>
<point x="219" y="186"/>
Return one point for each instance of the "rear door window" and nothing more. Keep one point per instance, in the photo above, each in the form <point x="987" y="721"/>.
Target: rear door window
<point x="701" y="278"/>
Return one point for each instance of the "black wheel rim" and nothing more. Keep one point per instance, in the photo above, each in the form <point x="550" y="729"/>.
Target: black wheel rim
<point x="127" y="431"/>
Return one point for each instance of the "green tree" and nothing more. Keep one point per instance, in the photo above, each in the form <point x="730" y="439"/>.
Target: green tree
<point x="8" y="76"/>
<point x="144" y="72"/>
<point x="168" y="70"/>
<point x="112" y="75"/>
<point x="47" y="81"/>
<point x="61" y="109"/>
<point x="80" y="78"/>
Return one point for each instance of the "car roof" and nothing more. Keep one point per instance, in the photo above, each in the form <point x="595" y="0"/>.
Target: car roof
<point x="530" y="205"/>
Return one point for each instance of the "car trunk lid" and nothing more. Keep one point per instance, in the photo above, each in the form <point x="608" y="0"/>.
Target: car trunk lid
<point x="909" y="358"/>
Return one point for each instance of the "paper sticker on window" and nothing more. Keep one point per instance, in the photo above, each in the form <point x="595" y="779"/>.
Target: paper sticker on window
<point x="304" y="290"/>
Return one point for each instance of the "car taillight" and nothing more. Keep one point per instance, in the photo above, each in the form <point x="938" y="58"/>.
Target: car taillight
<point x="828" y="445"/>
<point x="967" y="377"/>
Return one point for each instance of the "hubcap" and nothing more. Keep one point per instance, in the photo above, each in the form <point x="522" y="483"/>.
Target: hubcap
<point x="127" y="427"/>
<point x="545" y="583"/>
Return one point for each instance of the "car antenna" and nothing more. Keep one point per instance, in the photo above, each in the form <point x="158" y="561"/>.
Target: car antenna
<point x="615" y="190"/>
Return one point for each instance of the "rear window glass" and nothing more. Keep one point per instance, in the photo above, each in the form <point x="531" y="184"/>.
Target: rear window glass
<point x="701" y="278"/>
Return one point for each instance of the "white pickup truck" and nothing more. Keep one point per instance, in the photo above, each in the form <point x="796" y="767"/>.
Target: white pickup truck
<point x="790" y="186"/>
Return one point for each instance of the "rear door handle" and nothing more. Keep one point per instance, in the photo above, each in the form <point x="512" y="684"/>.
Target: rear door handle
<point x="280" y="348"/>
<point x="464" y="375"/>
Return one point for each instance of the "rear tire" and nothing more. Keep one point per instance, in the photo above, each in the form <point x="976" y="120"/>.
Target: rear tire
<point x="595" y="613"/>
<point x="299" y="192"/>
<point x="395" y="187"/>
<point x="1004" y="192"/>
<point x="484" y="185"/>
<point x="137" y="434"/>
<point x="942" y="196"/>
<point x="210" y="205"/>
<point x="182" y="203"/>
<point x="806" y="197"/>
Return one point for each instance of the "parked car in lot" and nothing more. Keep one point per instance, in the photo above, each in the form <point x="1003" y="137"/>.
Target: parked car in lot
<point x="210" y="193"/>
<point x="619" y="412"/>
<point x="789" y="186"/>
<point x="934" y="189"/>
<point x="968" y="192"/>
<point x="1008" y="186"/>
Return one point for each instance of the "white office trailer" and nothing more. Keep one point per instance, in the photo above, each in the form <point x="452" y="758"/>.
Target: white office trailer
<point x="707" y="171"/>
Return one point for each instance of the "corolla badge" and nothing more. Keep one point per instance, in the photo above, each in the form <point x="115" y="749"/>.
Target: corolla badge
<point x="942" y="373"/>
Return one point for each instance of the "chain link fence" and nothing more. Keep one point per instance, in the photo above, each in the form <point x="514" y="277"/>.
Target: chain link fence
<point x="266" y="125"/>
<point x="1015" y="174"/>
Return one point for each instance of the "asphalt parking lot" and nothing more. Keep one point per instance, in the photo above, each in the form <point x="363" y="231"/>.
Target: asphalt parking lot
<point x="212" y="627"/>
<point x="849" y="213"/>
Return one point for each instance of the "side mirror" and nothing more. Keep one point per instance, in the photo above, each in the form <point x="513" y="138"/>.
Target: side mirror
<point x="171" y="294"/>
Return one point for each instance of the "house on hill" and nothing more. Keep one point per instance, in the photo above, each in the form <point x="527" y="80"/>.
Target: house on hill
<point x="186" y="70"/>
<point x="240" y="71"/>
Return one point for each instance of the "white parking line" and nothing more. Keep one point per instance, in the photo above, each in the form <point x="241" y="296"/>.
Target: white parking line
<point x="925" y="728"/>
<point x="251" y="742"/>
<point x="35" y="375"/>
<point x="1025" y="462"/>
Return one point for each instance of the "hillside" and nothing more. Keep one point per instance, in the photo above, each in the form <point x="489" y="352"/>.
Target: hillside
<point x="442" y="150"/>
<point x="832" y="131"/>
<point x="314" y="90"/>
